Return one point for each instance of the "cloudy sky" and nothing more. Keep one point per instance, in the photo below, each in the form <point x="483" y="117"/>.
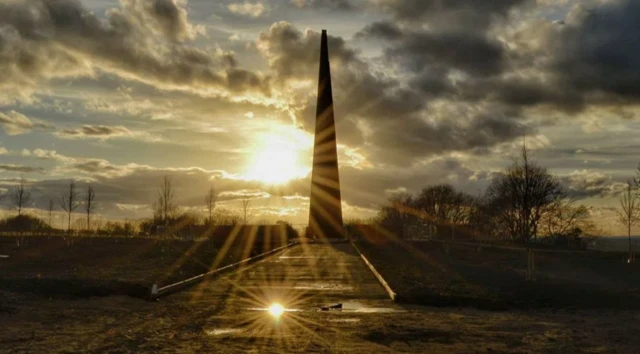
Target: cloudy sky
<point x="121" y="93"/>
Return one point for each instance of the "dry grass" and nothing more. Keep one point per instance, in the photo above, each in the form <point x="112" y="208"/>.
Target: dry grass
<point x="111" y="266"/>
<point x="496" y="279"/>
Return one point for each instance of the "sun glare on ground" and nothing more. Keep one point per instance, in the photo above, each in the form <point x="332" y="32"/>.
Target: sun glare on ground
<point x="276" y="310"/>
<point x="277" y="156"/>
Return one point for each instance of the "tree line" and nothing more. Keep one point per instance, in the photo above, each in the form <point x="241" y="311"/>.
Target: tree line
<point x="21" y="197"/>
<point x="168" y="216"/>
<point x="522" y="204"/>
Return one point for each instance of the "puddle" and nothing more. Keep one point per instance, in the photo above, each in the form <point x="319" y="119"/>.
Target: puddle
<point x="221" y="331"/>
<point x="266" y="309"/>
<point x="361" y="308"/>
<point x="324" y="286"/>
<point x="4" y="256"/>
<point x="345" y="320"/>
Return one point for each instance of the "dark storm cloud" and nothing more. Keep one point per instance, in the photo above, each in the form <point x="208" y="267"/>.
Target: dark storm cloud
<point x="141" y="40"/>
<point x="168" y="17"/>
<point x="96" y="131"/>
<point x="341" y="5"/>
<point x="416" y="50"/>
<point x="417" y="138"/>
<point x="587" y="184"/>
<point x="398" y="117"/>
<point x="599" y="51"/>
<point x="512" y="92"/>
<point x="381" y="180"/>
<point x="21" y="168"/>
<point x="476" y="14"/>
<point x="293" y="54"/>
<point x="590" y="59"/>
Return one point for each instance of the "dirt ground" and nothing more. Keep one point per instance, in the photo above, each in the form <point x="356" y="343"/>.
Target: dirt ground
<point x="225" y="315"/>
<point x="122" y="325"/>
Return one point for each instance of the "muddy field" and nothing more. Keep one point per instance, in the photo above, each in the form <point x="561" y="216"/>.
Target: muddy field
<point x="53" y="267"/>
<point x="223" y="316"/>
<point x="119" y="324"/>
<point x="423" y="273"/>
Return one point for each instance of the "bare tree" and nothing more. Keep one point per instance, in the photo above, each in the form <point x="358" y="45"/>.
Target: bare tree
<point x="564" y="216"/>
<point x="516" y="200"/>
<point x="90" y="205"/>
<point x="246" y="200"/>
<point x="98" y="222"/>
<point x="629" y="213"/>
<point x="397" y="213"/>
<point x="165" y="205"/>
<point x="225" y="217"/>
<point x="21" y="195"/>
<point x="69" y="202"/>
<point x="443" y="205"/>
<point x="636" y="179"/>
<point x="210" y="201"/>
<point x="50" y="211"/>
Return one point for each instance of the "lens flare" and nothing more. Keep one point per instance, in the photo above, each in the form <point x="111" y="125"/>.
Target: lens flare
<point x="276" y="310"/>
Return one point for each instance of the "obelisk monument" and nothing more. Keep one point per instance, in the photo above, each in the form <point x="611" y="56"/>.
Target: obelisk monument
<point x="325" y="211"/>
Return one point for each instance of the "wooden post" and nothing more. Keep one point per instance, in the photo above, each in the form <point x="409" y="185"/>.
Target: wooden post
<point x="531" y="265"/>
<point x="528" y="264"/>
<point x="446" y="248"/>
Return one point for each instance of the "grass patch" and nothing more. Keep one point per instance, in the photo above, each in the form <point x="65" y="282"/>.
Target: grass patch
<point x="496" y="279"/>
<point x="48" y="266"/>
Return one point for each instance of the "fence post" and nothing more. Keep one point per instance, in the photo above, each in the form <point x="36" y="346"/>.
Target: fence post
<point x="531" y="265"/>
<point x="528" y="264"/>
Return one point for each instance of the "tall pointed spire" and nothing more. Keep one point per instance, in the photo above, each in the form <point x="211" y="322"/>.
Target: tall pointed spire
<point x="325" y="211"/>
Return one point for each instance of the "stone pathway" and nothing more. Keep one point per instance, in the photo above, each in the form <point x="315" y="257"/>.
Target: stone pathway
<point x="301" y="278"/>
<point x="318" y="286"/>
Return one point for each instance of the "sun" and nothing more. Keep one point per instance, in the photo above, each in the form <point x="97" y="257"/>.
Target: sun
<point x="274" y="165"/>
<point x="276" y="159"/>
